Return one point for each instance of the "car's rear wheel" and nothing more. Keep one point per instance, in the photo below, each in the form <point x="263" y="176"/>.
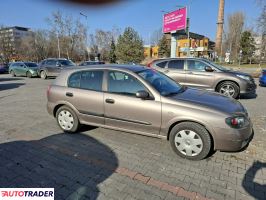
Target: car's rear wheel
<point x="29" y="75"/>
<point x="67" y="119"/>
<point x="43" y="75"/>
<point x="12" y="73"/>
<point x="229" y="89"/>
<point x="190" y="140"/>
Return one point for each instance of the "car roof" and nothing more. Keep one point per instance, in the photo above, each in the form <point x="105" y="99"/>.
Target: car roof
<point x="178" y="58"/>
<point x="133" y="68"/>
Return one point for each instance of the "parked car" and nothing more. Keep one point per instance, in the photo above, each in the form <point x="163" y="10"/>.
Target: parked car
<point x="86" y="63"/>
<point x="3" y="68"/>
<point x="51" y="67"/>
<point x="263" y="78"/>
<point x="28" y="69"/>
<point x="144" y="101"/>
<point x="204" y="74"/>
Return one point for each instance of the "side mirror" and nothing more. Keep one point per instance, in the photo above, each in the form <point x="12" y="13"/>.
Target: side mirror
<point x="208" y="69"/>
<point x="142" y="94"/>
<point x="58" y="65"/>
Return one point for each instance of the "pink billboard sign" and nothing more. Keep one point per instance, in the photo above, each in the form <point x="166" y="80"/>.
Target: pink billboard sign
<point x="175" y="21"/>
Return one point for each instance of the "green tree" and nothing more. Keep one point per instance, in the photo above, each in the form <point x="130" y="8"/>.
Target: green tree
<point x="164" y="47"/>
<point x="112" y="56"/>
<point x="247" y="45"/>
<point x="130" y="47"/>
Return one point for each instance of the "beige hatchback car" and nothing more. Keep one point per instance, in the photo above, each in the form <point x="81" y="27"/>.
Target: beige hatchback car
<point x="144" y="101"/>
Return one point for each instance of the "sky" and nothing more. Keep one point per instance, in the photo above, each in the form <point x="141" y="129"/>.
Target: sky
<point x="145" y="16"/>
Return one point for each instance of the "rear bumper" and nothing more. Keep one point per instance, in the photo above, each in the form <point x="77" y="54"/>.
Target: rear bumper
<point x="262" y="81"/>
<point x="233" y="140"/>
<point x="50" y="108"/>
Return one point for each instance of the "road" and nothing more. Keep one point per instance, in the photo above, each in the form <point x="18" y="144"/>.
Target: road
<point x="105" y="164"/>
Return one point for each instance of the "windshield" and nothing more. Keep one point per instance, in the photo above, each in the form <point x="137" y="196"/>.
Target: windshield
<point x="216" y="66"/>
<point x="66" y="63"/>
<point x="163" y="84"/>
<point x="31" y="65"/>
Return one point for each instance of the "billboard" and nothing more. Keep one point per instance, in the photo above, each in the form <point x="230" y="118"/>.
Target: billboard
<point x="175" y="21"/>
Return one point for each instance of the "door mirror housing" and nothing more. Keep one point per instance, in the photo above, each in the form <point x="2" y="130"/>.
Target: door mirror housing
<point x="208" y="69"/>
<point x="58" y="65"/>
<point x="142" y="94"/>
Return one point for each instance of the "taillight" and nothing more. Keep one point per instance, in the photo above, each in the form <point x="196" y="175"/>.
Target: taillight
<point x="48" y="90"/>
<point x="149" y="64"/>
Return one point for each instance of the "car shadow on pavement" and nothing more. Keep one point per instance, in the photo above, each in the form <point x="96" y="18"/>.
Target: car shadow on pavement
<point x="72" y="164"/>
<point x="248" y="96"/>
<point x="252" y="187"/>
<point x="9" y="86"/>
<point x="10" y="79"/>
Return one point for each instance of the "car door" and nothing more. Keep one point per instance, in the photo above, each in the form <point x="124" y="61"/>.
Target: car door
<point x="20" y="69"/>
<point x="175" y="70"/>
<point x="50" y="67"/>
<point x="124" y="110"/>
<point x="84" y="92"/>
<point x="197" y="76"/>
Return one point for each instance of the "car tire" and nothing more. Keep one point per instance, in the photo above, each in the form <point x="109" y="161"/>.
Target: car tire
<point x="229" y="88"/>
<point x="190" y="140"/>
<point x="12" y="73"/>
<point x="67" y="119"/>
<point x="29" y="75"/>
<point x="43" y="75"/>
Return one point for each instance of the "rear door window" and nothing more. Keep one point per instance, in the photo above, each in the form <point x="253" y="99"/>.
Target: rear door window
<point x="176" y="64"/>
<point x="91" y="80"/>
<point x="88" y="80"/>
<point x="51" y="62"/>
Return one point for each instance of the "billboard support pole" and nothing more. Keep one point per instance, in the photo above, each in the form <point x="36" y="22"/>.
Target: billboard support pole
<point x="173" y="45"/>
<point x="188" y="35"/>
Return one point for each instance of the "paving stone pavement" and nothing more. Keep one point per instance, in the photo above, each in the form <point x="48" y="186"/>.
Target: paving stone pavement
<point x="105" y="164"/>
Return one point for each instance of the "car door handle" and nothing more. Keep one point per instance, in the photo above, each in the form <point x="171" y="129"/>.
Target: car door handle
<point x="110" y="101"/>
<point x="166" y="71"/>
<point x="69" y="94"/>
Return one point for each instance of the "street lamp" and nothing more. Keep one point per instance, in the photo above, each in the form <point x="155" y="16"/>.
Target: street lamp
<point x="86" y="39"/>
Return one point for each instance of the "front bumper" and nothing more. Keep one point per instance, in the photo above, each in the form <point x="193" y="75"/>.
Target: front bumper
<point x="248" y="88"/>
<point x="233" y="140"/>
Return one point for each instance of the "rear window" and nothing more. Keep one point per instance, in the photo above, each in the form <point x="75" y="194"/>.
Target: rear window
<point x="176" y="64"/>
<point x="161" y="64"/>
<point x="89" y="80"/>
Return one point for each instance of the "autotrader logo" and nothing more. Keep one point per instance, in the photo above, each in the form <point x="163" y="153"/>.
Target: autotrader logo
<point x="27" y="193"/>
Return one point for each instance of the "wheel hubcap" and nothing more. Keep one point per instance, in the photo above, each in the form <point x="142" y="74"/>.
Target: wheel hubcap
<point x="227" y="90"/>
<point x="66" y="120"/>
<point x="42" y="74"/>
<point x="188" y="143"/>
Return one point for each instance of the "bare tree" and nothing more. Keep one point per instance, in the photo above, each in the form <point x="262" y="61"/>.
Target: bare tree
<point x="234" y="28"/>
<point x="156" y="36"/>
<point x="70" y="34"/>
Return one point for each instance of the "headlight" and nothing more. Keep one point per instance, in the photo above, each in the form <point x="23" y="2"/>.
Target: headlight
<point x="236" y="122"/>
<point x="243" y="77"/>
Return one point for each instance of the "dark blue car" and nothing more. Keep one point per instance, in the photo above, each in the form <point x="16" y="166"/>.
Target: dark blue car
<point x="263" y="78"/>
<point x="3" y="69"/>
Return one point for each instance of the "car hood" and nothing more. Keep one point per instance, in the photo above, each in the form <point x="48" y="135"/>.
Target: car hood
<point x="208" y="99"/>
<point x="235" y="72"/>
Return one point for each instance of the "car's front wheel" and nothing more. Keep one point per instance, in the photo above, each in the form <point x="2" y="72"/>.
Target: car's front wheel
<point x="190" y="140"/>
<point x="12" y="73"/>
<point x="67" y="119"/>
<point x="229" y="89"/>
